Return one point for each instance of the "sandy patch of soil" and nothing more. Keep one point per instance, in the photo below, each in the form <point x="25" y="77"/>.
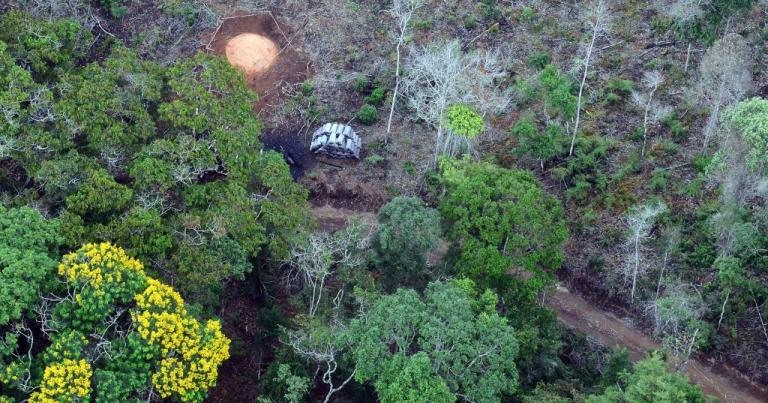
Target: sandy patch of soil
<point x="251" y="53"/>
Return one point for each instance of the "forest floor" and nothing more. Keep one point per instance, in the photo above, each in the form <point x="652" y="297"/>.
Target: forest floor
<point x="610" y="330"/>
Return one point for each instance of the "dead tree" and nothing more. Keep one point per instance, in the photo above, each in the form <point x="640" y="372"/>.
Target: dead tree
<point x="683" y="12"/>
<point x="442" y="75"/>
<point x="314" y="261"/>
<point x="598" y="21"/>
<point x="726" y="77"/>
<point x="677" y="320"/>
<point x="652" y="111"/>
<point x="403" y="11"/>
<point x="639" y="222"/>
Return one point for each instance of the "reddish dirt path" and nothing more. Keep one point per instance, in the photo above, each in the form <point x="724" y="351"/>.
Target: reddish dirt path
<point x="726" y="384"/>
<point x="610" y="330"/>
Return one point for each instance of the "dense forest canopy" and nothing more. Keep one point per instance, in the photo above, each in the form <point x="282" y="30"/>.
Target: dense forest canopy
<point x="165" y="234"/>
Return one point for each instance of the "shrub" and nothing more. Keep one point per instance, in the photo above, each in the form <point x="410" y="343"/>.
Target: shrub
<point x="539" y="60"/>
<point x="374" y="159"/>
<point x="377" y="96"/>
<point x="617" y="90"/>
<point x="676" y="128"/>
<point x="422" y="25"/>
<point x="368" y="115"/>
<point x="584" y="172"/>
<point x="361" y="84"/>
<point x="116" y="8"/>
<point x="558" y="90"/>
<point x="658" y="182"/>
<point x="531" y="142"/>
<point x="470" y="22"/>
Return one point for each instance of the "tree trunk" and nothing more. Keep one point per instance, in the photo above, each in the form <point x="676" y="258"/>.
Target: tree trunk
<point x="395" y="91"/>
<point x="722" y="310"/>
<point x="581" y="88"/>
<point x="637" y="265"/>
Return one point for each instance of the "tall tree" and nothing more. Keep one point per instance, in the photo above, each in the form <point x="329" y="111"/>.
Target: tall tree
<point x="408" y="230"/>
<point x="598" y="20"/>
<point x="110" y="333"/>
<point x="504" y="227"/>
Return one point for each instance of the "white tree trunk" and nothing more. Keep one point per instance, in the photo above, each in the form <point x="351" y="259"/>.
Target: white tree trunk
<point x="581" y="88"/>
<point x="722" y="310"/>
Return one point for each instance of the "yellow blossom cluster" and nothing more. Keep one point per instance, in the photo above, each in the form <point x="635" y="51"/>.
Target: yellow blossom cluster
<point x="99" y="264"/>
<point x="64" y="381"/>
<point x="190" y="355"/>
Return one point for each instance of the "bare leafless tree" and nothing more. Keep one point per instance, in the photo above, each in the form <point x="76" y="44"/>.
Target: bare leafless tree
<point x="652" y="111"/>
<point x="683" y="12"/>
<point x="639" y="222"/>
<point x="677" y="319"/>
<point x="725" y="77"/>
<point x="402" y="11"/>
<point x="598" y="20"/>
<point x="442" y="75"/>
<point x="313" y="262"/>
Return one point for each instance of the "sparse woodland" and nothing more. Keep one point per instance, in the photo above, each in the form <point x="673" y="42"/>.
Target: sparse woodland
<point x="165" y="234"/>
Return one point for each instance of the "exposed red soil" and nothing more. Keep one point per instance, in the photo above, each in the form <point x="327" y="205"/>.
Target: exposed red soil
<point x="290" y="67"/>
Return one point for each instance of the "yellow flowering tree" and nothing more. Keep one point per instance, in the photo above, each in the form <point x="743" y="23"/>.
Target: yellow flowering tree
<point x="115" y="335"/>
<point x="64" y="381"/>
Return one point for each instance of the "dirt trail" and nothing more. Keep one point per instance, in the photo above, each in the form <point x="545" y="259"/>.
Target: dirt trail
<point x="577" y="313"/>
<point x="724" y="383"/>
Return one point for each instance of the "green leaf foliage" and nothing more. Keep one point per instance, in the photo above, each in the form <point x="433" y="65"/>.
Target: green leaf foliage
<point x="411" y="379"/>
<point x="28" y="252"/>
<point x="461" y="120"/>
<point x="534" y="143"/>
<point x="502" y="224"/>
<point x="165" y="161"/>
<point x="750" y="119"/>
<point x="558" y="91"/>
<point x="469" y="347"/>
<point x="652" y="382"/>
<point x="408" y="230"/>
<point x="47" y="48"/>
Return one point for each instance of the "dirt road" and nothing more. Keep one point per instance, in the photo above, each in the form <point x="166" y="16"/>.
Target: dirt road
<point x="610" y="330"/>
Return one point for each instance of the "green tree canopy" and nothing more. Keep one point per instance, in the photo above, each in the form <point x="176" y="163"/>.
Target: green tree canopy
<point x="650" y="381"/>
<point x="750" y="119"/>
<point x="503" y="225"/>
<point x="469" y="346"/>
<point x="408" y="230"/>
<point x="108" y="333"/>
<point x="166" y="161"/>
<point x="28" y="252"/>
<point x="47" y="48"/>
